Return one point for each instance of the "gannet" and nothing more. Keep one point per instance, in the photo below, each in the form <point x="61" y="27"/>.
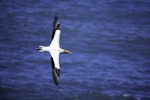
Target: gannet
<point x="54" y="50"/>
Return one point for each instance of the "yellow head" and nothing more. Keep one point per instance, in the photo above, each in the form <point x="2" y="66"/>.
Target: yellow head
<point x="66" y="51"/>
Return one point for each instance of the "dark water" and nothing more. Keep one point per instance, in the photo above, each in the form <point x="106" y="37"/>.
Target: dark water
<point x="110" y="41"/>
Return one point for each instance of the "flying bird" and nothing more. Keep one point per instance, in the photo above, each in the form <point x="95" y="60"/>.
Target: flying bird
<point x="54" y="50"/>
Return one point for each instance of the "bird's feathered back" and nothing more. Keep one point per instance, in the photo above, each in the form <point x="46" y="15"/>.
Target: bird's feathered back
<point x="55" y="71"/>
<point x="54" y="50"/>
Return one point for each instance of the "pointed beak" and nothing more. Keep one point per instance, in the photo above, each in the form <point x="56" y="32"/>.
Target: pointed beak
<point x="69" y="52"/>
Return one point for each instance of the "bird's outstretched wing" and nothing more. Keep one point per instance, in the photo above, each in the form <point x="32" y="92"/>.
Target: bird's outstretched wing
<point x="56" y="26"/>
<point x="55" y="67"/>
<point x="54" y="53"/>
<point x="56" y="33"/>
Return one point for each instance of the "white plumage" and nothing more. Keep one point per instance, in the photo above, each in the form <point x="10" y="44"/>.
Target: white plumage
<point x="54" y="50"/>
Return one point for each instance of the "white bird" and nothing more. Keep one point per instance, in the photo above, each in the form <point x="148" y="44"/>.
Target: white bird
<point x="54" y="50"/>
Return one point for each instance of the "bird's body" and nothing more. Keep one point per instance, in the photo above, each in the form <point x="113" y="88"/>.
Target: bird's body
<point x="54" y="50"/>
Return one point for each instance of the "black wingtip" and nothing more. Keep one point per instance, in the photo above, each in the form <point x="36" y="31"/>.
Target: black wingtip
<point x="56" y="24"/>
<point x="56" y="17"/>
<point x="55" y="73"/>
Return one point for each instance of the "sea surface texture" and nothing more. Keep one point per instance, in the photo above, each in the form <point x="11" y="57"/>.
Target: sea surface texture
<point x="109" y="39"/>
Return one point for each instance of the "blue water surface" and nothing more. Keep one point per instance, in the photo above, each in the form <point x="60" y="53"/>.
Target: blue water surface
<point x="109" y="39"/>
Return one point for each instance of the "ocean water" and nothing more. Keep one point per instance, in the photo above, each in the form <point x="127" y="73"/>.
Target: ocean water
<point x="109" y="39"/>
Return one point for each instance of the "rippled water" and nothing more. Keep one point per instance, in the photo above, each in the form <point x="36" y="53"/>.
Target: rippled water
<point x="109" y="40"/>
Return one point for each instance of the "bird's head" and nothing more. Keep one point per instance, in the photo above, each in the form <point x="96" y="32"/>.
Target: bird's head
<point x="66" y="51"/>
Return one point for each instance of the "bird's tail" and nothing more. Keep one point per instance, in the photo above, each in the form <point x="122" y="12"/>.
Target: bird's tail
<point x="56" y="73"/>
<point x="40" y="48"/>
